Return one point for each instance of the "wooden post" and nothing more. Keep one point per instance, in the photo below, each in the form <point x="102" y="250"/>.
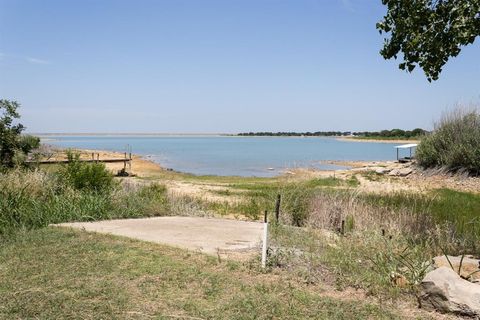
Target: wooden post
<point x="277" y="208"/>
<point x="93" y="156"/>
<point x="264" y="242"/>
<point x="342" y="230"/>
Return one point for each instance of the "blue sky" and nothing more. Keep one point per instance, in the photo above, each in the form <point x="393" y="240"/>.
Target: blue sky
<point x="215" y="66"/>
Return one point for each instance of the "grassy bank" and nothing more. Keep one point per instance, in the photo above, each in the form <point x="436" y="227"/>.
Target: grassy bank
<point x="382" y="250"/>
<point x="94" y="276"/>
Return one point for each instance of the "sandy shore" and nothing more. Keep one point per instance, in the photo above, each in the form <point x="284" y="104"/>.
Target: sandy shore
<point x="397" y="141"/>
<point x="374" y="176"/>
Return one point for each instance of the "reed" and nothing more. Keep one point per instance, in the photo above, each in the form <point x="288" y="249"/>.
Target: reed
<point x="454" y="143"/>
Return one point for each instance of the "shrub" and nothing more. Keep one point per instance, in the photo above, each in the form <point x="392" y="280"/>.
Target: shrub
<point x="86" y="176"/>
<point x="35" y="199"/>
<point x="455" y="143"/>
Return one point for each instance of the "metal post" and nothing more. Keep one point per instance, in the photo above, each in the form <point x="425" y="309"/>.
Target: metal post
<point x="265" y="238"/>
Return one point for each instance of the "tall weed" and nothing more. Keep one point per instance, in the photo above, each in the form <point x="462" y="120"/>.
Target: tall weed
<point x="454" y="143"/>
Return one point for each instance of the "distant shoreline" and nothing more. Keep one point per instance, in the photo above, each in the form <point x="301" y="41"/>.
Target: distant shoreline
<point x="357" y="139"/>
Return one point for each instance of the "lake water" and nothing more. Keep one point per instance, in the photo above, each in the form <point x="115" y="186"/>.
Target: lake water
<point x="241" y="156"/>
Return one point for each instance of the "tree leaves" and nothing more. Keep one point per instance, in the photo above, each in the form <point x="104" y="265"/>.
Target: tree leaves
<point x="9" y="132"/>
<point x="428" y="32"/>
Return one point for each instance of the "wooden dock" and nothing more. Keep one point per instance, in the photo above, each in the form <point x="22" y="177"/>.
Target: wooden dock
<point x="95" y="158"/>
<point x="111" y="160"/>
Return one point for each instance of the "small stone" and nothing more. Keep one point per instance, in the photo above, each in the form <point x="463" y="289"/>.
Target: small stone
<point x="401" y="172"/>
<point x="382" y="170"/>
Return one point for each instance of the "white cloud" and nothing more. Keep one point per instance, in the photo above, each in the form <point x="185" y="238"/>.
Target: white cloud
<point x="37" y="61"/>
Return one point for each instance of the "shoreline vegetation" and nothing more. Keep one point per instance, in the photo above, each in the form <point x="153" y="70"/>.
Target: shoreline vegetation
<point x="384" y="135"/>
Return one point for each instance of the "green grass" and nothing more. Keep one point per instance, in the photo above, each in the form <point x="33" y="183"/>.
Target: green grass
<point x="59" y="273"/>
<point x="272" y="185"/>
<point x="372" y="175"/>
<point x="255" y="198"/>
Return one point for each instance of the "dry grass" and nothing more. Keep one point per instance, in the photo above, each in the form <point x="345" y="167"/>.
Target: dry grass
<point x="328" y="210"/>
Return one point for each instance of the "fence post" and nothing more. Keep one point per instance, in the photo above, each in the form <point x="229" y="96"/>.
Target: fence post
<point x="277" y="208"/>
<point x="265" y="238"/>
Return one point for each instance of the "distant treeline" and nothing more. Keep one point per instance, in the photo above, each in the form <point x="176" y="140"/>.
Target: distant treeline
<point x="394" y="133"/>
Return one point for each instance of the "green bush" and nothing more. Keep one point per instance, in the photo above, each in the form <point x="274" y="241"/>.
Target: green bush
<point x="35" y="199"/>
<point x="86" y="176"/>
<point x="14" y="146"/>
<point x="454" y="144"/>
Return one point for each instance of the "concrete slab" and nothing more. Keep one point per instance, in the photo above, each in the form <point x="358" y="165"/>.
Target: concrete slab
<point x="207" y="235"/>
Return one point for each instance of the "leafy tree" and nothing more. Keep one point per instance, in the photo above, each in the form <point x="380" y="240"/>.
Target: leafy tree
<point x="13" y="145"/>
<point x="428" y="32"/>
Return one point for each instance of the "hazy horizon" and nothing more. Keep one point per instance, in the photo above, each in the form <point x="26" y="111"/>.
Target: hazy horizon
<point x="215" y="66"/>
<point x="185" y="133"/>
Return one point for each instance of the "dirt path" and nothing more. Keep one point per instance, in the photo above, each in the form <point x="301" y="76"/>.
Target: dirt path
<point x="207" y="235"/>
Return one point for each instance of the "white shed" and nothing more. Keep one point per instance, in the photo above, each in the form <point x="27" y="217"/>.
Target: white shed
<point x="410" y="147"/>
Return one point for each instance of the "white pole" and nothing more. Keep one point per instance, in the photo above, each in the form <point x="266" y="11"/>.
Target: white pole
<point x="265" y="245"/>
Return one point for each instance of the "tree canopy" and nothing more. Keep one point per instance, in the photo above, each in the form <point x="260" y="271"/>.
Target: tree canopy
<point x="13" y="145"/>
<point x="428" y="32"/>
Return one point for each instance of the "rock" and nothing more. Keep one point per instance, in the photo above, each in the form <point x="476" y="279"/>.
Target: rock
<point x="381" y="170"/>
<point x="401" y="172"/>
<point x="469" y="266"/>
<point x="443" y="290"/>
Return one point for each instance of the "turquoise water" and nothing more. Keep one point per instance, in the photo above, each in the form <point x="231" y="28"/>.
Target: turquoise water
<point x="241" y="156"/>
